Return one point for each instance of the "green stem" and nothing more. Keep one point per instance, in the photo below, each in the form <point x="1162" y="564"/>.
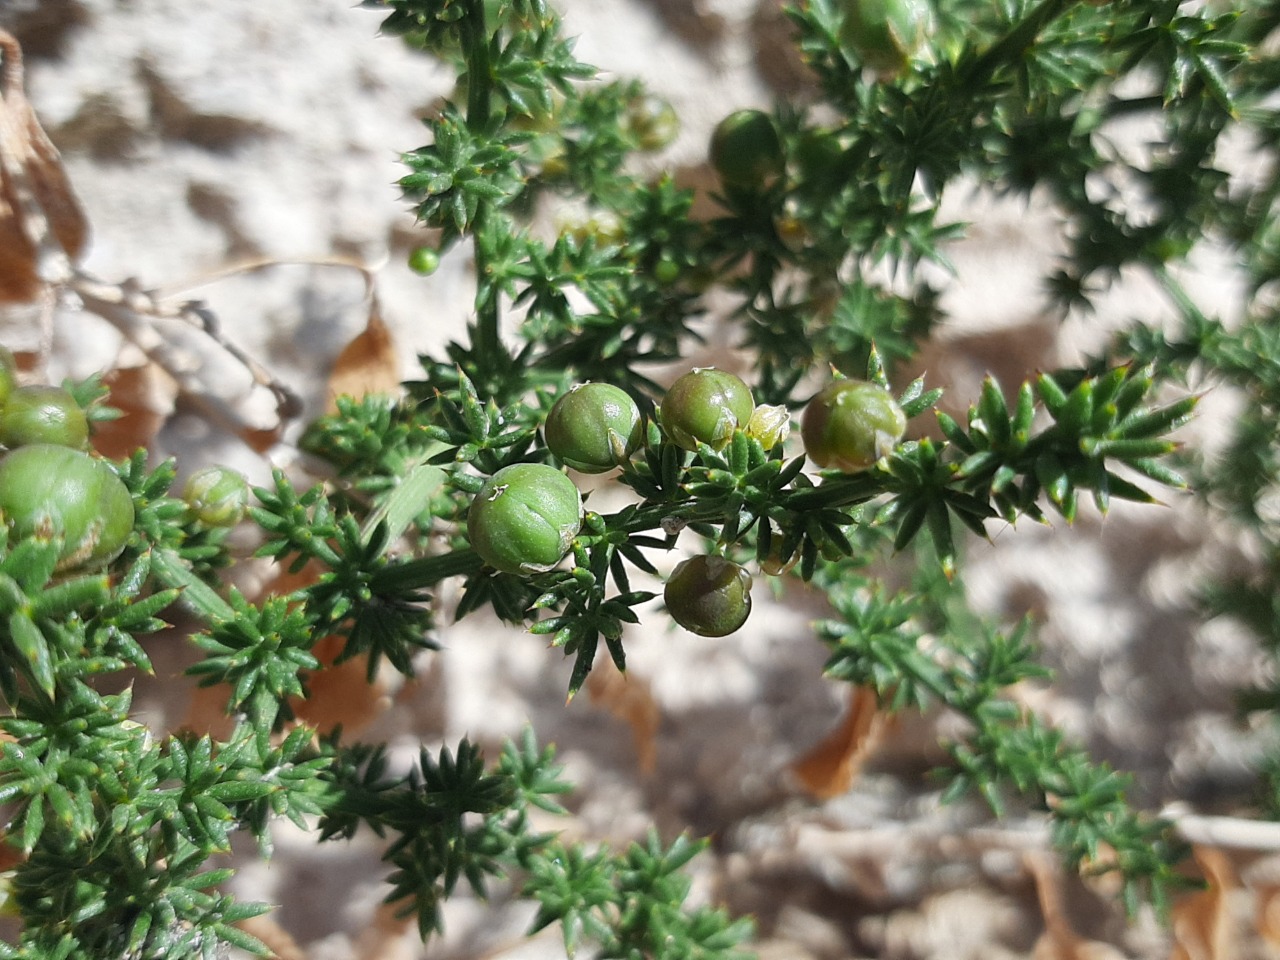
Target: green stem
<point x="426" y="571"/>
<point x="488" y="345"/>
<point x="1011" y="47"/>
<point x="173" y="571"/>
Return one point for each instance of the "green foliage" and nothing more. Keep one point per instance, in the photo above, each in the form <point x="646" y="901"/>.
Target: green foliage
<point x="820" y="256"/>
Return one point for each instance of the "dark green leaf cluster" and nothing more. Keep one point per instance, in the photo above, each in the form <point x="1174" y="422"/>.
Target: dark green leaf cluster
<point x="626" y="904"/>
<point x="114" y="824"/>
<point x="357" y="596"/>
<point x="448" y="818"/>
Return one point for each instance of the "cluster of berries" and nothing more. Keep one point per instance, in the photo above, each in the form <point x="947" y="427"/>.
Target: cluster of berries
<point x="525" y="518"/>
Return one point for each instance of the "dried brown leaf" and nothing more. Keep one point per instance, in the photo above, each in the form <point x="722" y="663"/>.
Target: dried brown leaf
<point x="145" y="396"/>
<point x="369" y="364"/>
<point x="207" y="712"/>
<point x="40" y="216"/>
<point x="1059" y="940"/>
<point x="338" y="694"/>
<point x="1267" y="916"/>
<point x="385" y="939"/>
<point x="828" y="769"/>
<point x="628" y="698"/>
<point x="1200" y="919"/>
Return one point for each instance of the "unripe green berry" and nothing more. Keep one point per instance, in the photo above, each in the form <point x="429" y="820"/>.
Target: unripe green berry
<point x="851" y="424"/>
<point x="746" y="150"/>
<point x="43" y="414"/>
<point x="883" y="34"/>
<point x="50" y="491"/>
<point x="217" y="496"/>
<point x="651" y="121"/>
<point x="424" y="261"/>
<point x="594" y="427"/>
<point x="666" y="272"/>
<point x="705" y="406"/>
<point x="524" y="518"/>
<point x="709" y="596"/>
<point x="8" y="374"/>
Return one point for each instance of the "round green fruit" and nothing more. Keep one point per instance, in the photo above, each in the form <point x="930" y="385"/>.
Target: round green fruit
<point x="424" y="261"/>
<point x="746" y="150"/>
<point x="883" y="34"/>
<point x="43" y="414"/>
<point x="217" y="496"/>
<point x="524" y="518"/>
<point x="851" y="424"/>
<point x="651" y="121"/>
<point x="52" y="491"/>
<point x="705" y="406"/>
<point x="709" y="596"/>
<point x="594" y="427"/>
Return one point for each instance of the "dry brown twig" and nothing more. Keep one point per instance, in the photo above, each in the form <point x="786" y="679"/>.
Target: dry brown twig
<point x="43" y="233"/>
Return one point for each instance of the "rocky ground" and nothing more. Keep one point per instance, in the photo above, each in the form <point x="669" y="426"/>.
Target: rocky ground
<point x="204" y="135"/>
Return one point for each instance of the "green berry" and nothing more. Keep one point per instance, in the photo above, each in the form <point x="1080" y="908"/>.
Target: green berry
<point x="43" y="414"/>
<point x="8" y="374"/>
<point x="666" y="271"/>
<point x="53" y="491"/>
<point x="709" y="596"/>
<point x="651" y="121"/>
<point x="746" y="150"/>
<point x="424" y="260"/>
<point x="594" y="427"/>
<point x="705" y="406"/>
<point x="883" y="34"/>
<point x="851" y="424"/>
<point x="524" y="518"/>
<point x="217" y="496"/>
<point x="818" y="156"/>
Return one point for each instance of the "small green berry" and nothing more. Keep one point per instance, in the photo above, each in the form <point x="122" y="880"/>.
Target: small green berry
<point x="705" y="406"/>
<point x="43" y="414"/>
<point x="651" y="121"/>
<point x="883" y="34"/>
<point x="524" y="518"/>
<point x="594" y="427"/>
<point x="50" y="491"/>
<point x="666" y="271"/>
<point x="424" y="261"/>
<point x="217" y="496"/>
<point x="709" y="596"/>
<point x="746" y="150"/>
<point x="851" y="424"/>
